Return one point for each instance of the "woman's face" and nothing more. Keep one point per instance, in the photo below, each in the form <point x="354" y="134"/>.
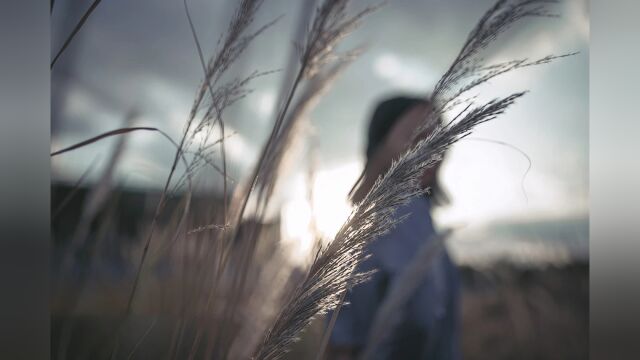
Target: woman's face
<point x="429" y="176"/>
<point x="401" y="138"/>
<point x="430" y="173"/>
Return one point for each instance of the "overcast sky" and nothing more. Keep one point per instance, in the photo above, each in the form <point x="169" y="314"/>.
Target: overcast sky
<point x="140" y="54"/>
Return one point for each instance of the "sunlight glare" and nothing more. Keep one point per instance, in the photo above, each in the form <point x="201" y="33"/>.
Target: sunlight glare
<point x="329" y="209"/>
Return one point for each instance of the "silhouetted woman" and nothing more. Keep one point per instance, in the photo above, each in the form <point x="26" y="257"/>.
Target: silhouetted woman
<point x="429" y="326"/>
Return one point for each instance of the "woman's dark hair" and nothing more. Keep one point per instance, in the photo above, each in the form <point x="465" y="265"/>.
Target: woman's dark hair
<point x="384" y="117"/>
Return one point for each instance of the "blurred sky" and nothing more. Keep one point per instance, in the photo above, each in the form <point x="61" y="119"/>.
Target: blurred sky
<point x="140" y="55"/>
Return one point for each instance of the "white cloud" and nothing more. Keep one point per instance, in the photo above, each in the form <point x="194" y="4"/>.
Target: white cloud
<point x="265" y="103"/>
<point x="404" y="72"/>
<point x="487" y="185"/>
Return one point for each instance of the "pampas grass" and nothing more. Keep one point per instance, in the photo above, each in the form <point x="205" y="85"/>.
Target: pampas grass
<point x="234" y="294"/>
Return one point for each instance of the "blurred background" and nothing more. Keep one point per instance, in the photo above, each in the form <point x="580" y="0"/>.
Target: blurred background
<point x="519" y="184"/>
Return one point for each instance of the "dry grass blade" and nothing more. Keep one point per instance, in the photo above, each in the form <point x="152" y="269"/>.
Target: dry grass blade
<point x="518" y="150"/>
<point x="75" y="31"/>
<point x="110" y="133"/>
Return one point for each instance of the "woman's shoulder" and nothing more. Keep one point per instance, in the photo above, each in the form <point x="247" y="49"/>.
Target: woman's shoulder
<point x="417" y="214"/>
<point x="396" y="247"/>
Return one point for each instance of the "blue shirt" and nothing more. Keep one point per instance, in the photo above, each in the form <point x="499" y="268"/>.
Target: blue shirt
<point x="429" y="325"/>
